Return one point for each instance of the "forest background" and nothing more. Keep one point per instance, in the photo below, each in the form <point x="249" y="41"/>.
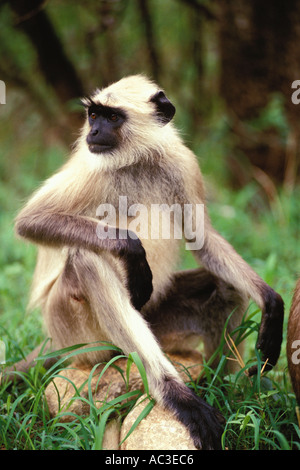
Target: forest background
<point x="228" y="66"/>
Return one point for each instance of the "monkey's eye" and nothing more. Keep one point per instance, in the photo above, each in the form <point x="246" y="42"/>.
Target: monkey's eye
<point x="93" y="116"/>
<point x="113" y="117"/>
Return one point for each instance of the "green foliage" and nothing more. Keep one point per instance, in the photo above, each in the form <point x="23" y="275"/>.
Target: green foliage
<point x="259" y="412"/>
<point x="25" y="423"/>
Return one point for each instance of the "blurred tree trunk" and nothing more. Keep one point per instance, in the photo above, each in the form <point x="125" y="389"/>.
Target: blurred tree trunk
<point x="259" y="57"/>
<point x="152" y="49"/>
<point x="53" y="62"/>
<point x="198" y="104"/>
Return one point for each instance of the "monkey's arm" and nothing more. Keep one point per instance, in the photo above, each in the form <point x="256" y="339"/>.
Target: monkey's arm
<point x="220" y="258"/>
<point x="46" y="227"/>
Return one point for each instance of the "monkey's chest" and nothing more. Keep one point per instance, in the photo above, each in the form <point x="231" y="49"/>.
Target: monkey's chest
<point x="144" y="185"/>
<point x="148" y="206"/>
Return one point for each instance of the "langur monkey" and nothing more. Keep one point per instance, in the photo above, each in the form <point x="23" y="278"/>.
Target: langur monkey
<point x="293" y="342"/>
<point x="100" y="278"/>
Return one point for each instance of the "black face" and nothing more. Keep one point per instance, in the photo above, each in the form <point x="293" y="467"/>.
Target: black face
<point x="105" y="124"/>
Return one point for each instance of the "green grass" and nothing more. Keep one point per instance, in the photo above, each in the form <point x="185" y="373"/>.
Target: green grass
<point x="25" y="422"/>
<point x="260" y="412"/>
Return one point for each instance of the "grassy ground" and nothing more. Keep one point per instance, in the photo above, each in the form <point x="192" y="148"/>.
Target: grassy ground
<point x="260" y="413"/>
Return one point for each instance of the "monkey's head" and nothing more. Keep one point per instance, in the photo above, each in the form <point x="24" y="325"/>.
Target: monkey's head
<point x="126" y="121"/>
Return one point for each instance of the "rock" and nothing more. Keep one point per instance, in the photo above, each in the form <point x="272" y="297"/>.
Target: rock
<point x="159" y="430"/>
<point x="111" y="438"/>
<point x="61" y="392"/>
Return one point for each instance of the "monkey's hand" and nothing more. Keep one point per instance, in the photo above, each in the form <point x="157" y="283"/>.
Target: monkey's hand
<point x="270" y="332"/>
<point x="138" y="271"/>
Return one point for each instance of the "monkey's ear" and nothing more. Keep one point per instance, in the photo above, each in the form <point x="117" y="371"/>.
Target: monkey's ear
<point x="164" y="108"/>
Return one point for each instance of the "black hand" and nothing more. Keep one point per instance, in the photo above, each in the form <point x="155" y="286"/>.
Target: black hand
<point x="270" y="332"/>
<point x="138" y="272"/>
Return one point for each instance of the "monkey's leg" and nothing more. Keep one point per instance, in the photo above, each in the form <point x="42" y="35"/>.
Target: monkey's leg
<point x="105" y="312"/>
<point x="196" y="306"/>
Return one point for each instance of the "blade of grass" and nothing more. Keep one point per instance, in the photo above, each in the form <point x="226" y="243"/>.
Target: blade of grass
<point x="141" y="416"/>
<point x="134" y="357"/>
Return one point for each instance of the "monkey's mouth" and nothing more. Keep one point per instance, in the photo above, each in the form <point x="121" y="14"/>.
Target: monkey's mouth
<point x="98" y="148"/>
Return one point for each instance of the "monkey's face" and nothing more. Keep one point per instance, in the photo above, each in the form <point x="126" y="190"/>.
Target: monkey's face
<point x="105" y="124"/>
<point x="125" y="121"/>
